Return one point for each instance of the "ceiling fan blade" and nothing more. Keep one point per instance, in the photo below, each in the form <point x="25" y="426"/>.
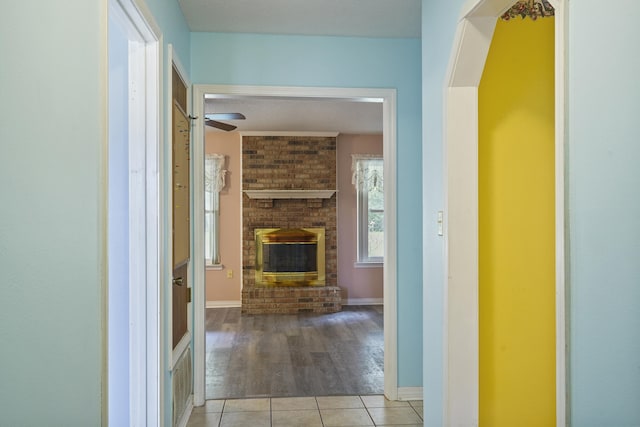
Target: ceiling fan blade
<point x="225" y="116"/>
<point x="219" y="125"/>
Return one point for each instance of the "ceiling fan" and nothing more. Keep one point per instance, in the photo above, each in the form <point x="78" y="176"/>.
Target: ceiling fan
<point x="211" y="119"/>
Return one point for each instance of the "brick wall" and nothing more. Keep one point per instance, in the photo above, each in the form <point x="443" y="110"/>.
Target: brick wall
<point x="288" y="163"/>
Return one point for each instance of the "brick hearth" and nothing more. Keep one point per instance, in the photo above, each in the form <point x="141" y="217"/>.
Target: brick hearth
<point x="289" y="163"/>
<point x="290" y="300"/>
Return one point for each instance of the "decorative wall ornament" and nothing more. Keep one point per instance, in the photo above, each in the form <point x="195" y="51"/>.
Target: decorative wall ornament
<point x="534" y="9"/>
<point x="363" y="176"/>
<point x="214" y="174"/>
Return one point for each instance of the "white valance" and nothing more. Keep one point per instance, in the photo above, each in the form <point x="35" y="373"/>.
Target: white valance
<point x="367" y="171"/>
<point x="214" y="172"/>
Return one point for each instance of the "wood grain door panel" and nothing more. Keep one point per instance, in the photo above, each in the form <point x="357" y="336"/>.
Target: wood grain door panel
<point x="181" y="224"/>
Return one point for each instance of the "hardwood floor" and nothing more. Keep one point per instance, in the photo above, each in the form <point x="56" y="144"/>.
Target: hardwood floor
<point x="279" y="355"/>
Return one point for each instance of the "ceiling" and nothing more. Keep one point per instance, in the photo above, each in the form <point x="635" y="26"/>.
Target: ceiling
<point x="360" y="18"/>
<point x="299" y="115"/>
<point x="349" y="18"/>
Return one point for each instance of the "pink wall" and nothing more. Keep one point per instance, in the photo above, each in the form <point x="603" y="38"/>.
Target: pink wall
<point x="219" y="287"/>
<point x="360" y="285"/>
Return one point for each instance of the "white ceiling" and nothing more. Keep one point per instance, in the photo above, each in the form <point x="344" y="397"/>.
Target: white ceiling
<point x="361" y="18"/>
<point x="300" y="115"/>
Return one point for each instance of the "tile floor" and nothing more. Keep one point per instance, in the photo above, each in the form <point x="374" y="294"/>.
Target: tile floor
<point x="321" y="411"/>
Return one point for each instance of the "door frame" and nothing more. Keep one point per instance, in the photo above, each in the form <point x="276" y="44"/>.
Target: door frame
<point x="388" y="99"/>
<point x="145" y="216"/>
<point x="471" y="46"/>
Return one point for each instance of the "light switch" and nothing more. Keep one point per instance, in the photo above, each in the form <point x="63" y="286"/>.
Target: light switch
<point x="229" y="274"/>
<point x="440" y="223"/>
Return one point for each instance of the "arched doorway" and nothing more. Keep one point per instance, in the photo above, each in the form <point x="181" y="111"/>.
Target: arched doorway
<point x="473" y="39"/>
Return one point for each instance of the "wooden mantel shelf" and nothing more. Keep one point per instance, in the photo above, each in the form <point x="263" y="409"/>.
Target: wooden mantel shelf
<point x="289" y="194"/>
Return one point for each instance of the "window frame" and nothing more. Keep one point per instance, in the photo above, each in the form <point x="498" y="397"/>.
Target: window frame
<point x="363" y="259"/>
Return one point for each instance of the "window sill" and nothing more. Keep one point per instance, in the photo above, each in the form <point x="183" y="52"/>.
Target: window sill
<point x="215" y="267"/>
<point x="371" y="264"/>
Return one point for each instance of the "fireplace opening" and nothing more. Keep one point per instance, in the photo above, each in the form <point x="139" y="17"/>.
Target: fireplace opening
<point x="290" y="257"/>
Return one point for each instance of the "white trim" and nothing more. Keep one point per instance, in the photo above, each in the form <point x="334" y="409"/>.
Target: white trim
<point x="372" y="264"/>
<point x="179" y="350"/>
<point x="214" y="267"/>
<point x="390" y="291"/>
<point x="561" y="25"/>
<point x="472" y="41"/>
<point x="224" y="304"/>
<point x="145" y="133"/>
<point x="184" y="419"/>
<point x="363" y="301"/>
<point x="288" y="133"/>
<point x="461" y="246"/>
<point x="410" y="393"/>
<point x="388" y="99"/>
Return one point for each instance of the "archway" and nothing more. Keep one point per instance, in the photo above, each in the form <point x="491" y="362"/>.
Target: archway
<point x="471" y="46"/>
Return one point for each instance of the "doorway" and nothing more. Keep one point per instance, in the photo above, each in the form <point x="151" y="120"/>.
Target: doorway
<point x="387" y="98"/>
<point x="133" y="360"/>
<point x="473" y="38"/>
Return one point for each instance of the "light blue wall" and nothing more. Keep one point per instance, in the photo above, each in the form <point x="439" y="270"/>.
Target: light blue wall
<point x="603" y="208"/>
<point x="52" y="134"/>
<point x="175" y="31"/>
<point x="439" y="19"/>
<point x="246" y="59"/>
<point x="604" y="212"/>
<point x="52" y="153"/>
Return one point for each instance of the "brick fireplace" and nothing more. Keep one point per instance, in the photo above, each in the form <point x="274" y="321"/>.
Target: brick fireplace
<point x="288" y="182"/>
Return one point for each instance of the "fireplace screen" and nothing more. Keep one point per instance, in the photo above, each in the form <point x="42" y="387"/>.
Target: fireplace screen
<point x="290" y="257"/>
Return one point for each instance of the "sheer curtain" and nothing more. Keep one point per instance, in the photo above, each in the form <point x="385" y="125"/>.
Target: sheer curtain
<point x="214" y="176"/>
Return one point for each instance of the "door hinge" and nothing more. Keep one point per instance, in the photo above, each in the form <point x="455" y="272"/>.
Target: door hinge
<point x="188" y="295"/>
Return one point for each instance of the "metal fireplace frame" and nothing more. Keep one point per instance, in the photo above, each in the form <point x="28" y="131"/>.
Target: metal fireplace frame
<point x="274" y="236"/>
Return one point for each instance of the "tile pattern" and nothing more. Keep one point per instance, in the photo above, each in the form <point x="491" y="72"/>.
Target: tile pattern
<point x="321" y="411"/>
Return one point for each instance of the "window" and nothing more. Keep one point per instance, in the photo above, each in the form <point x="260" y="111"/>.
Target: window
<point x="368" y="180"/>
<point x="213" y="183"/>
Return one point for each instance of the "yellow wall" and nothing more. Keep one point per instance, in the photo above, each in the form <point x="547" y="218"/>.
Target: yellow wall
<point x="516" y="219"/>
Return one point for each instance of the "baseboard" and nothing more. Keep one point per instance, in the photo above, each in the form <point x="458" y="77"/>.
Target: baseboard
<point x="223" y="304"/>
<point x="410" y="393"/>
<point x="363" y="301"/>
<point x="184" y="419"/>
